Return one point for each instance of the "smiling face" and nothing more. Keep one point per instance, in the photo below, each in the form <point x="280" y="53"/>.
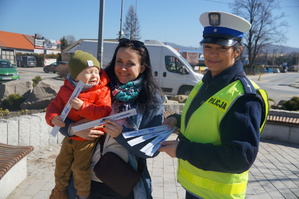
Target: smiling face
<point x="90" y="75"/>
<point x="217" y="58"/>
<point x="127" y="65"/>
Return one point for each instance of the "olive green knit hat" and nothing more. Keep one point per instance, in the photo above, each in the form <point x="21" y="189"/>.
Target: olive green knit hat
<point x="80" y="61"/>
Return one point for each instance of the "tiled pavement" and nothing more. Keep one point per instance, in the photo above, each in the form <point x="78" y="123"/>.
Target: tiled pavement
<point x="275" y="174"/>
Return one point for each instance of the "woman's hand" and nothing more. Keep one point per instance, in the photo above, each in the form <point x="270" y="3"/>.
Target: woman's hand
<point x="171" y="122"/>
<point x="88" y="134"/>
<point x="113" y="128"/>
<point x="169" y="147"/>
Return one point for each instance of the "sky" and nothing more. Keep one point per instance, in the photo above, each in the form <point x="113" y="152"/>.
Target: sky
<point x="175" y="21"/>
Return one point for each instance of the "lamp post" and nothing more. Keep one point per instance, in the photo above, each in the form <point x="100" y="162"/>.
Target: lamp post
<point x="120" y="33"/>
<point x="273" y="58"/>
<point x="100" y="34"/>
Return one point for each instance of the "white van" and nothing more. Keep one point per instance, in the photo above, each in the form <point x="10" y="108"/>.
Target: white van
<point x="26" y="61"/>
<point x="173" y="73"/>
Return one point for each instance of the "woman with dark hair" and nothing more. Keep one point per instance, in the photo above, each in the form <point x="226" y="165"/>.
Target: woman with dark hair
<point x="132" y="86"/>
<point x="144" y="75"/>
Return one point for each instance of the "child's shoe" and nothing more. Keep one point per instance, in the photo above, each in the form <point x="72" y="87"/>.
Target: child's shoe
<point x="56" y="194"/>
<point x="81" y="197"/>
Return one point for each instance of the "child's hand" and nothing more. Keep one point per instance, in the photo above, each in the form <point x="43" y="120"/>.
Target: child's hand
<point x="57" y="121"/>
<point x="76" y="103"/>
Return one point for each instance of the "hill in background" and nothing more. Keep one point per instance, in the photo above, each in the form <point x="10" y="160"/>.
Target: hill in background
<point x="270" y="49"/>
<point x="180" y="47"/>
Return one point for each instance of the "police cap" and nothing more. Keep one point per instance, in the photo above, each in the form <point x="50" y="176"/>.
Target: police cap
<point x="223" y="28"/>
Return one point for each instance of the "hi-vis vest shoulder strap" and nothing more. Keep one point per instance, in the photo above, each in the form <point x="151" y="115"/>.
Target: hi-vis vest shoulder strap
<point x="207" y="118"/>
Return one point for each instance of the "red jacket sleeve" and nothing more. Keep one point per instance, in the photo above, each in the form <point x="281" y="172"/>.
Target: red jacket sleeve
<point x="56" y="106"/>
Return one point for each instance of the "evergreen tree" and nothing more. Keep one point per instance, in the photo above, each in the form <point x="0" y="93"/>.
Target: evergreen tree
<point x="131" y="26"/>
<point x="64" y="43"/>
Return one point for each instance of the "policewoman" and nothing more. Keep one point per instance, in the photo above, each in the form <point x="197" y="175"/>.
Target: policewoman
<point x="224" y="115"/>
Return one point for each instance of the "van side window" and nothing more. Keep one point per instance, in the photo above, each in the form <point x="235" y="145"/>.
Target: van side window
<point x="174" y="65"/>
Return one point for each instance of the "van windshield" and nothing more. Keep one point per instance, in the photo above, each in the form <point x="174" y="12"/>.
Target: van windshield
<point x="186" y="63"/>
<point x="174" y="65"/>
<point x="31" y="59"/>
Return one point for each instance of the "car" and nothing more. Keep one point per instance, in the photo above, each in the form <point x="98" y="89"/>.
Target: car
<point x="26" y="61"/>
<point x="284" y="70"/>
<point x="8" y="71"/>
<point x="52" y="67"/>
<point x="276" y="70"/>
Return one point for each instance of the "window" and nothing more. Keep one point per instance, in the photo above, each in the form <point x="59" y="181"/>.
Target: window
<point x="8" y="55"/>
<point x="174" y="65"/>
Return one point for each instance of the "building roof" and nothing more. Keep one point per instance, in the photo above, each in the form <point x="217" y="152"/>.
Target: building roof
<point x="16" y="40"/>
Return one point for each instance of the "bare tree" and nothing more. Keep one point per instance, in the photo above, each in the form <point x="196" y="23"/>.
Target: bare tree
<point x="70" y="39"/>
<point x="266" y="28"/>
<point x="66" y="41"/>
<point x="131" y="26"/>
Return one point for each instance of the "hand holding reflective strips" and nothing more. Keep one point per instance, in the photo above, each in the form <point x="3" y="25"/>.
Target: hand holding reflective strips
<point x="94" y="123"/>
<point x="68" y="107"/>
<point x="159" y="133"/>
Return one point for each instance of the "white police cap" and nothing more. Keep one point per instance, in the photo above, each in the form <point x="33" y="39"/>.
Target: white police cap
<point x="223" y="28"/>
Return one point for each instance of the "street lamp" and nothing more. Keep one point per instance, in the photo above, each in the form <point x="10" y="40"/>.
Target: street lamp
<point x="120" y="33"/>
<point x="100" y="34"/>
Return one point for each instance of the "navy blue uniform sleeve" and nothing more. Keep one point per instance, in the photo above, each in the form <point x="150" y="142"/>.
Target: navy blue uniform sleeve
<point x="65" y="130"/>
<point x="135" y="150"/>
<point x="240" y="135"/>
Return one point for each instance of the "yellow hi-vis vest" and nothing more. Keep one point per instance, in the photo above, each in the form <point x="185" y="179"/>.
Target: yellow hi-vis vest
<point x="203" y="127"/>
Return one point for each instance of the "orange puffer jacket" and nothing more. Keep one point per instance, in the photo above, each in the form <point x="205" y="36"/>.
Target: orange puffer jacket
<point x="97" y="102"/>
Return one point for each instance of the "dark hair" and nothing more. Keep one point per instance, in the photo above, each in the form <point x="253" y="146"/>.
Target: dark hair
<point x="237" y="46"/>
<point x="147" y="99"/>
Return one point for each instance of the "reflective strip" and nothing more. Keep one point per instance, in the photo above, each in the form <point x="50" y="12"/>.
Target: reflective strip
<point x="211" y="185"/>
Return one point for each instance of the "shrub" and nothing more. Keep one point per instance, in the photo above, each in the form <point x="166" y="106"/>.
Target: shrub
<point x="292" y="104"/>
<point x="62" y="70"/>
<point x="13" y="102"/>
<point x="4" y="112"/>
<point x="24" y="111"/>
<point x="35" y="80"/>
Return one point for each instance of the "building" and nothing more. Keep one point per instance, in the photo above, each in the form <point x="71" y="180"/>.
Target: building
<point x="13" y="43"/>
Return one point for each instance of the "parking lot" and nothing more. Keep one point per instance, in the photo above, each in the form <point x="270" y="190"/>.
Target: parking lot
<point x="30" y="73"/>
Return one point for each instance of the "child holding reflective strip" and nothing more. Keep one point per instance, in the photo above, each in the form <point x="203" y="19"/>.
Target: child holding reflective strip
<point x="132" y="86"/>
<point x="93" y="102"/>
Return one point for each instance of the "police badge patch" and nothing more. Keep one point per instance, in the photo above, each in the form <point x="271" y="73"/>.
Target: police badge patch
<point x="214" y="19"/>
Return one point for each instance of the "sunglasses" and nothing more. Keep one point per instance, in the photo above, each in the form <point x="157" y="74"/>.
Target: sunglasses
<point x="134" y="43"/>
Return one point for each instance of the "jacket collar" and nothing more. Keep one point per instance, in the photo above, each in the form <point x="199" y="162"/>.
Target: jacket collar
<point x="225" y="77"/>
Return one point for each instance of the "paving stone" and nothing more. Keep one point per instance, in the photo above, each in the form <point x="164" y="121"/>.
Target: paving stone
<point x="275" y="174"/>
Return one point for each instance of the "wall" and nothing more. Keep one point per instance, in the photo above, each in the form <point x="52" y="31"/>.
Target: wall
<point x="27" y="130"/>
<point x="33" y="130"/>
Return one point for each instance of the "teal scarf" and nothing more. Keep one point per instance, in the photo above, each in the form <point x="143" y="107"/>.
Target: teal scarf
<point x="124" y="95"/>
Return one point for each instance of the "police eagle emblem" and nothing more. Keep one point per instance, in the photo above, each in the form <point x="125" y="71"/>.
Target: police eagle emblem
<point x="214" y="19"/>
